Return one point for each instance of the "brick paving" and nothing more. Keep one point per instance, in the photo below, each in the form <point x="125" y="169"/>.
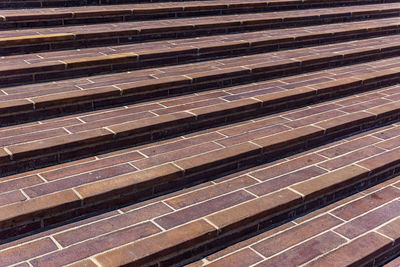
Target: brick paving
<point x="199" y="133"/>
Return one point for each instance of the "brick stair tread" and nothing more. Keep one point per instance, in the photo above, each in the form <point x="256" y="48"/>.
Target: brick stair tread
<point x="38" y="64"/>
<point x="356" y="230"/>
<point x="173" y="214"/>
<point x="82" y="93"/>
<point x="229" y="146"/>
<point x="14" y="38"/>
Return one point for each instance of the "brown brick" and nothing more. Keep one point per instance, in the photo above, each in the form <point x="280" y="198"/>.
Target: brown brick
<point x="202" y="209"/>
<point x="288" y="138"/>
<point x="295" y="235"/>
<point x="100" y="60"/>
<point x="242" y="258"/>
<point x="152" y="248"/>
<point x="209" y="192"/>
<point x="289" y="95"/>
<point x="370" y="220"/>
<point x="306" y="251"/>
<point x="392" y="230"/>
<point x="36" y="207"/>
<point x="128" y="183"/>
<point x="72" y="236"/>
<point x="226" y="109"/>
<point x="213" y="75"/>
<point x="32" y="39"/>
<point x="346" y="121"/>
<point x="355" y="253"/>
<point x="151" y="124"/>
<point x="153" y="84"/>
<point x="42" y="102"/>
<point x="14" y="106"/>
<point x="55" y="144"/>
<point x="218" y="157"/>
<point x="366" y="203"/>
<point x="254" y="210"/>
<point x="331" y="182"/>
<point x="26" y="251"/>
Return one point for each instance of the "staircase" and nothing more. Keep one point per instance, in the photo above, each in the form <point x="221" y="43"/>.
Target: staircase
<point x="199" y="133"/>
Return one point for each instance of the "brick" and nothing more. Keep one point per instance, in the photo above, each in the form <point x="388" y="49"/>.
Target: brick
<point x="366" y="203"/>
<point x="55" y="144"/>
<point x="392" y="230"/>
<point x="37" y="207"/>
<point x="15" y="106"/>
<point x="332" y="181"/>
<point x="370" y="220"/>
<point x="94" y="246"/>
<point x="355" y="253"/>
<point x="100" y="60"/>
<point x="153" y="84"/>
<point x="254" y="210"/>
<point x="288" y="138"/>
<point x="285" y="180"/>
<point x="68" y="98"/>
<point x="290" y="95"/>
<point x="218" y="157"/>
<point x="346" y="121"/>
<point x="210" y="192"/>
<point x="151" y="124"/>
<point x="72" y="236"/>
<point x="306" y="251"/>
<point x="295" y="235"/>
<point x="128" y="183"/>
<point x="382" y="161"/>
<point x="226" y="108"/>
<point x="26" y="251"/>
<point x="32" y="39"/>
<point x="286" y="167"/>
<point x="242" y="258"/>
<point x="202" y="209"/>
<point x="150" y="249"/>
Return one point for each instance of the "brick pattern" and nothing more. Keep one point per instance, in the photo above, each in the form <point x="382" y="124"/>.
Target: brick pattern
<point x="245" y="133"/>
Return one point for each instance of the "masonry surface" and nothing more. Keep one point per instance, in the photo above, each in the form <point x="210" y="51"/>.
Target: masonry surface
<point x="199" y="133"/>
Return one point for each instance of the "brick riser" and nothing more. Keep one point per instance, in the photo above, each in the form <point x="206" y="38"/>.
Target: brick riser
<point x="35" y="43"/>
<point x="51" y="209"/>
<point x="63" y="20"/>
<point x="123" y="62"/>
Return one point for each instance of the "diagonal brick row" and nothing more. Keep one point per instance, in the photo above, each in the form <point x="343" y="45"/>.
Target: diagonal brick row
<point x="229" y="133"/>
<point x="193" y="77"/>
<point x="34" y="40"/>
<point x="128" y="12"/>
<point x="130" y="57"/>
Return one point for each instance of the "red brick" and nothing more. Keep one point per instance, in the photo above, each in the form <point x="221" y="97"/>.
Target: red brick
<point x="155" y="247"/>
<point x="127" y="183"/>
<point x="295" y="235"/>
<point x="26" y="251"/>
<point x="355" y="253"/>
<point x="254" y="210"/>
<point x="331" y="182"/>
<point x="242" y="258"/>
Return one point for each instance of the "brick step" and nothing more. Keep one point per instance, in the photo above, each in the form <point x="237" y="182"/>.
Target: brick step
<point x="81" y="95"/>
<point x="48" y="66"/>
<point x="56" y="199"/>
<point x="360" y="230"/>
<point x="133" y="12"/>
<point x="44" y="39"/>
<point x="180" y="226"/>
